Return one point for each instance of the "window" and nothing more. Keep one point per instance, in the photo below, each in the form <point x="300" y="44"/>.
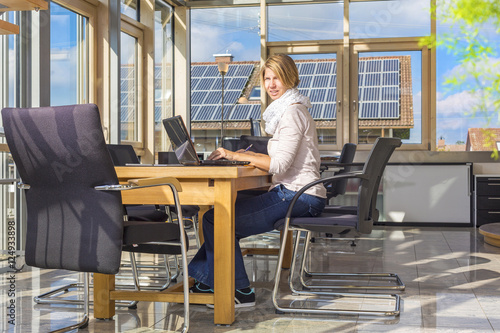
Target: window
<point x="163" y="72"/>
<point x="463" y="102"/>
<point x="8" y="63"/>
<point x="129" y="88"/>
<point x="69" y="58"/>
<point x="305" y="22"/>
<point x="389" y="96"/>
<point x="223" y="35"/>
<point x="130" y="8"/>
<point x="384" y="19"/>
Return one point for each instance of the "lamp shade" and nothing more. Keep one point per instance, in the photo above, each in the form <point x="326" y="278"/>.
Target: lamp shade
<point x="223" y="67"/>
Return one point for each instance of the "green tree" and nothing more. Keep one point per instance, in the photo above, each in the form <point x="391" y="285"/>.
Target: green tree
<point x="479" y="74"/>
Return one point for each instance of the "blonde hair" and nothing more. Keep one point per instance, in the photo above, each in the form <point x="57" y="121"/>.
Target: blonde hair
<point x="285" y="69"/>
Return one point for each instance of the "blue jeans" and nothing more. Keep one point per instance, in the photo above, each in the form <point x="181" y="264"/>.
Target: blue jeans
<point x="253" y="216"/>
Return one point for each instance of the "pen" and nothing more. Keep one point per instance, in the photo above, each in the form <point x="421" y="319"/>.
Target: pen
<point x="249" y="147"/>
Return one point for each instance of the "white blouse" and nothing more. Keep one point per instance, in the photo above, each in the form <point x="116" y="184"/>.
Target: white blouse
<point x="294" y="152"/>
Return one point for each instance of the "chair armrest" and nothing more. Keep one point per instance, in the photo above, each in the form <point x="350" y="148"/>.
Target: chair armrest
<point x="142" y="183"/>
<point x="346" y="175"/>
<point x="158" y="181"/>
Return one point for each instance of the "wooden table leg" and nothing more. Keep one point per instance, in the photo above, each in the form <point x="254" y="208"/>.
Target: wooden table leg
<point x="224" y="242"/>
<point x="203" y="210"/>
<point x="287" y="259"/>
<point x="104" y="308"/>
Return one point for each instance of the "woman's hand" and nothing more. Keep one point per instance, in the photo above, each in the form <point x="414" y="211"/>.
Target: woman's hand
<point x="221" y="153"/>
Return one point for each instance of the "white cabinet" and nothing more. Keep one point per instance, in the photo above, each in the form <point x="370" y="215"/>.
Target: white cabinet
<point x="427" y="193"/>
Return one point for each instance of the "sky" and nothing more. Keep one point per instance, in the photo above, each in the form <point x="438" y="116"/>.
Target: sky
<point x="236" y="31"/>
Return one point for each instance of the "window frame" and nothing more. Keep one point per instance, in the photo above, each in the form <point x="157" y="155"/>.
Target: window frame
<point x="136" y="30"/>
<point x="388" y="45"/>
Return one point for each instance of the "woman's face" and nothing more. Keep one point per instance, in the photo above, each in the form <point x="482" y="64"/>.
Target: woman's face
<point x="274" y="88"/>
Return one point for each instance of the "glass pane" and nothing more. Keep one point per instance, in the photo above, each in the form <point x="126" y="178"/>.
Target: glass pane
<point x="163" y="73"/>
<point x="68" y="57"/>
<point x="130" y="8"/>
<point x="305" y="22"/>
<point x="129" y="89"/>
<point x="396" y="18"/>
<point x="390" y="96"/>
<point x="465" y="90"/>
<point x="230" y="35"/>
<point x="318" y="81"/>
<point x="8" y="63"/>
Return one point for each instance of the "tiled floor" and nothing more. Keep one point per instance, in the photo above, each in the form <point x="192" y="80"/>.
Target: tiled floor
<point x="452" y="285"/>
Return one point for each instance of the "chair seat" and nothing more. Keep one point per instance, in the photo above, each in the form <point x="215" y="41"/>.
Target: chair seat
<point x="326" y="222"/>
<point x="137" y="232"/>
<point x="146" y="213"/>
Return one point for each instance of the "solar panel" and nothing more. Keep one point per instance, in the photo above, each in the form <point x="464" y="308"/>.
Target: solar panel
<point x="237" y="83"/>
<point x="324" y="68"/>
<point x="372" y="79"/>
<point x="321" y="81"/>
<point x="333" y="82"/>
<point x="244" y="70"/>
<point x="305" y="81"/>
<point x="370" y="94"/>
<point x="194" y="111"/>
<point x="214" y="97"/>
<point x="197" y="71"/>
<point x="197" y="97"/>
<point x="373" y="66"/>
<point x="331" y="95"/>
<point x="307" y="68"/>
<point x="390" y="79"/>
<point x="390" y="94"/>
<point x="218" y="83"/>
<point x="205" y="84"/>
<point x="212" y="71"/>
<point x="317" y="95"/>
<point x="330" y="111"/>
<point x="316" y="110"/>
<point x="379" y="89"/>
<point x="368" y="110"/>
<point x="389" y="110"/>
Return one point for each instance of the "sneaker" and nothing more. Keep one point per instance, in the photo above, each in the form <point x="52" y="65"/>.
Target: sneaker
<point x="242" y="297"/>
<point x="199" y="287"/>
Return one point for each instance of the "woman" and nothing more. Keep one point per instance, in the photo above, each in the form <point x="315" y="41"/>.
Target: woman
<point x="293" y="161"/>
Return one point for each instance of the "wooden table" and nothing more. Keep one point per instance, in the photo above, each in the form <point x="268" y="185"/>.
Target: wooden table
<point x="206" y="185"/>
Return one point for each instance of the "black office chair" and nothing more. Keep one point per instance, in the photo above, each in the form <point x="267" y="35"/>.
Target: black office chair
<point x="259" y="143"/>
<point x="123" y="155"/>
<point x="74" y="207"/>
<point x="386" y="281"/>
<point x="255" y="129"/>
<point x="346" y="224"/>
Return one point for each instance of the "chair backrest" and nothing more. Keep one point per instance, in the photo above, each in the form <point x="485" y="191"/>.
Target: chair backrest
<point x="255" y="127"/>
<point x="123" y="154"/>
<point x="60" y="152"/>
<point x="338" y="187"/>
<point x="259" y="143"/>
<point x="374" y="169"/>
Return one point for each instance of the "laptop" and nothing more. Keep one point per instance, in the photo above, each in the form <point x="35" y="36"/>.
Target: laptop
<point x="184" y="147"/>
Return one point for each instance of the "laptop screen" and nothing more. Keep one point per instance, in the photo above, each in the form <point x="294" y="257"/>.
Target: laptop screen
<point x="181" y="142"/>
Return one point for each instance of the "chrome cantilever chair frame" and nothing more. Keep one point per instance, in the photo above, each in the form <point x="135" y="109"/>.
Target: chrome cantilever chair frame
<point x="341" y="224"/>
<point x="393" y="278"/>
